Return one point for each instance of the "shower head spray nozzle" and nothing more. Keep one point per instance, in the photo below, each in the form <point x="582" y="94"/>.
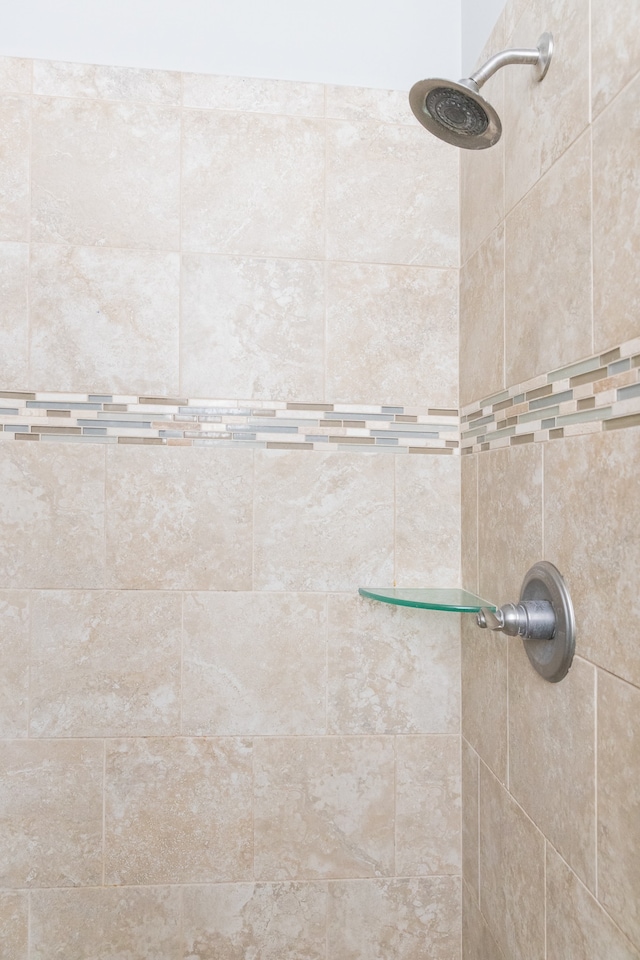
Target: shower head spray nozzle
<point x="456" y="112"/>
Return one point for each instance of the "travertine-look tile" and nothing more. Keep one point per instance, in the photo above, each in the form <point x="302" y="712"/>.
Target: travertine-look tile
<point x="55" y="78"/>
<point x="511" y="872"/>
<point x="15" y="119"/>
<point x="179" y="518"/>
<point x="392" y="195"/>
<point x="477" y="942"/>
<point x="470" y="813"/>
<point x="509" y="519"/>
<point x="323" y="807"/>
<point x="597" y="549"/>
<point x="391" y="670"/>
<point x="50" y="813"/>
<point x="252" y="184"/>
<point x="616" y="213"/>
<point x="254" y="664"/>
<point x="541" y="119"/>
<point x="552" y="757"/>
<point x="120" y="924"/>
<point x="615" y="49"/>
<point x="14" y="654"/>
<point x="482" y="321"/>
<point x="177" y="811"/>
<point x="577" y="926"/>
<point x="427" y="537"/>
<point x="392" y="334"/>
<point x="469" y="520"/>
<point x="403" y="919"/>
<point x="15" y="75"/>
<point x="51" y="515"/>
<point x="14" y="317"/>
<point x="273" y="921"/>
<point x="322" y="522"/>
<point x="252" y="328"/>
<point x="619" y="802"/>
<point x="484" y="694"/>
<point x="548" y="269"/>
<point x="253" y="95"/>
<point x="14" y="922"/>
<point x="105" y="664"/>
<point x="105" y="173"/>
<point x="428" y="806"/>
<point x="363" y="103"/>
<point x="104" y="320"/>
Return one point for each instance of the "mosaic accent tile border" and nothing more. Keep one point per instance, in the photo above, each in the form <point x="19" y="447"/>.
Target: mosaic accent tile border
<point x="599" y="393"/>
<point x="173" y="421"/>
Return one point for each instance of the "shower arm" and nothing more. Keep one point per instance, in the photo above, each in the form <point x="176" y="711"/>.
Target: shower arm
<point x="539" y="57"/>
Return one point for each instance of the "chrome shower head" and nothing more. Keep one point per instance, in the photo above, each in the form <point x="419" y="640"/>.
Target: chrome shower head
<point x="456" y="112"/>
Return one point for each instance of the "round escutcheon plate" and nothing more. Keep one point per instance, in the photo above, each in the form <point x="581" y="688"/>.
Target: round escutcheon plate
<point x="551" y="658"/>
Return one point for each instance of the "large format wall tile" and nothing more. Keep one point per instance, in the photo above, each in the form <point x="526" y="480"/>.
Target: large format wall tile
<point x="14" y="923"/>
<point x="14" y="655"/>
<point x="254" y="664"/>
<point x="177" y="811"/>
<point x="104" y="320"/>
<point x="322" y="522"/>
<point x="15" y="120"/>
<point x="51" y="515"/>
<point x="368" y="103"/>
<point x="252" y="328"/>
<point x="51" y="813"/>
<point x="470" y="812"/>
<point x="485" y="694"/>
<point x="105" y="664"/>
<point x="477" y="942"/>
<point x="469" y="523"/>
<point x="391" y="669"/>
<point x="14" y="317"/>
<point x="252" y="184"/>
<point x="323" y="808"/>
<point x="615" y="49"/>
<point x="54" y="78"/>
<point x="252" y="95"/>
<point x="482" y="321"/>
<point x="181" y="520"/>
<point x="105" y="173"/>
<point x="273" y="921"/>
<point x="15" y="75"/>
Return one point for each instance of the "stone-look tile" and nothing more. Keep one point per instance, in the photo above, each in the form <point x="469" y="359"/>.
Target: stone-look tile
<point x="482" y="321"/>
<point x="616" y="215"/>
<point x="597" y="549"/>
<point x="50" y="813"/>
<point x="179" y="518"/>
<point x="470" y="813"/>
<point x="322" y="522"/>
<point x="619" y="803"/>
<point x="252" y="184"/>
<point x="548" y="270"/>
<point x="15" y="75"/>
<point x="577" y="926"/>
<point x="253" y="95"/>
<point x="254" y="664"/>
<point x="552" y="757"/>
<point x="105" y="664"/>
<point x="104" y="320"/>
<point x="14" y="921"/>
<point x="364" y="103"/>
<point x="469" y="517"/>
<point x="14" y="655"/>
<point x="380" y="317"/>
<point x="252" y="328"/>
<point x="484" y="694"/>
<point x="51" y="515"/>
<point x="177" y="811"/>
<point x="15" y="121"/>
<point x="541" y="119"/>
<point x="477" y="942"/>
<point x="392" y="196"/>
<point x="509" y="519"/>
<point x="403" y="919"/>
<point x="615" y="49"/>
<point x="323" y="807"/>
<point x="105" y="173"/>
<point x="482" y="171"/>
<point x="54" y="78"/>
<point x="427" y="538"/>
<point x="14" y="316"/>
<point x="273" y="921"/>
<point x="124" y="924"/>
<point x="392" y="669"/>
<point x="511" y="872"/>
<point x="428" y="806"/>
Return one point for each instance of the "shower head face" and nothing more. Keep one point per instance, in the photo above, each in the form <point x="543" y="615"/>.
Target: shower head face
<point x="456" y="113"/>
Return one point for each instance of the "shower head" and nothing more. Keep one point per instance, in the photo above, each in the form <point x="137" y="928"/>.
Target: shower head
<point x="456" y="112"/>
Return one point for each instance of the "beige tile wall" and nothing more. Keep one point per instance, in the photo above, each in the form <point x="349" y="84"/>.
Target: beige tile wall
<point x="551" y="802"/>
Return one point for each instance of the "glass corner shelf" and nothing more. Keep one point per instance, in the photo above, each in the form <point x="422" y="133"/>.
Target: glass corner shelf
<point x="428" y="598"/>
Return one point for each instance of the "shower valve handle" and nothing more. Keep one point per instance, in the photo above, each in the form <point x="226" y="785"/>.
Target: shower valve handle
<point x="530" y="619"/>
